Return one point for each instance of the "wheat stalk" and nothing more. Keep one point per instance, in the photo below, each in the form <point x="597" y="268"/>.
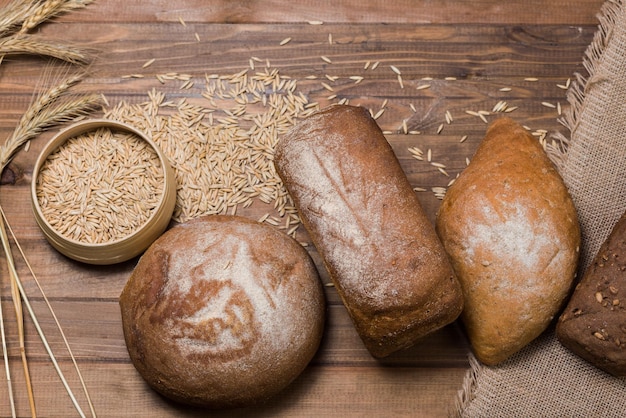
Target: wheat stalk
<point x="47" y="110"/>
<point x="33" y="45"/>
<point x="24" y="15"/>
<point x="49" y="9"/>
<point x="15" y="294"/>
<point x="54" y="317"/>
<point x="7" y="369"/>
<point x="52" y="107"/>
<point x="13" y="14"/>
<point x="20" y="288"/>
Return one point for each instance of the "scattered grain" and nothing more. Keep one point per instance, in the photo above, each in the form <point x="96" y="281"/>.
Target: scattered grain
<point x="400" y="81"/>
<point x="285" y="41"/>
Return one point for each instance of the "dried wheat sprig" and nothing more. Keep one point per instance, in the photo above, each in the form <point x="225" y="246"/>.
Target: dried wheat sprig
<point x="54" y="317"/>
<point x="7" y="369"/>
<point x="13" y="14"/>
<point x="15" y="294"/>
<point x="35" y="45"/>
<point x="49" y="9"/>
<point x="24" y="15"/>
<point x="44" y="340"/>
<point x="47" y="110"/>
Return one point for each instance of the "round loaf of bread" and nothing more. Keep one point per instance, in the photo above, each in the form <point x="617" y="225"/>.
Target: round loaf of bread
<point x="222" y="312"/>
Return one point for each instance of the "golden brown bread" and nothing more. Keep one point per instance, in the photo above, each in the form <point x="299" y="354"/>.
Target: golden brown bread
<point x="378" y="246"/>
<point x="511" y="230"/>
<point x="593" y="325"/>
<point x="222" y="312"/>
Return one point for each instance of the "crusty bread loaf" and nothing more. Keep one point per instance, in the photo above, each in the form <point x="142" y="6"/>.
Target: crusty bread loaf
<point x="222" y="312"/>
<point x="511" y="230"/>
<point x="594" y="323"/>
<point x="379" y="248"/>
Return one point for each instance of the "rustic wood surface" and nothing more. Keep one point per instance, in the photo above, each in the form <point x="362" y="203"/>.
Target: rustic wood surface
<point x="470" y="49"/>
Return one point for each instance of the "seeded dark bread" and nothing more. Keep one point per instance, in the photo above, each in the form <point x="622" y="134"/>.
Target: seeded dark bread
<point x="222" y="312"/>
<point x="594" y="323"/>
<point x="380" y="249"/>
<point x="512" y="233"/>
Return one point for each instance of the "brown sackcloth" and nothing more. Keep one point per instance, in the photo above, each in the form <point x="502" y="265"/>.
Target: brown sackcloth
<point x="545" y="379"/>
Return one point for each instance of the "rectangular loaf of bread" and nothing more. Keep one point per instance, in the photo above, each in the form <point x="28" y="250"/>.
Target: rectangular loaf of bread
<point x="364" y="218"/>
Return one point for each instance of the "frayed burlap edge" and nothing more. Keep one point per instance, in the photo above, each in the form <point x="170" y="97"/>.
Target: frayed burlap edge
<point x="557" y="152"/>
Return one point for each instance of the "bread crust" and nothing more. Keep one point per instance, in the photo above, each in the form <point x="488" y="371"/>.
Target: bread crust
<point x="593" y="325"/>
<point x="511" y="230"/>
<point x="381" y="251"/>
<point x="222" y="312"/>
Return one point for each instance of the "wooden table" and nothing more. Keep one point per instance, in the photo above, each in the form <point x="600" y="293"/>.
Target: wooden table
<point x="472" y="54"/>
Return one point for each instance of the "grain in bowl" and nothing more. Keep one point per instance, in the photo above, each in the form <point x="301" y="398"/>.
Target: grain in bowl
<point x="102" y="192"/>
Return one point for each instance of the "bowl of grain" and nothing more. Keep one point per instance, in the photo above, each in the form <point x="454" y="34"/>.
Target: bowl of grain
<point x="102" y="191"/>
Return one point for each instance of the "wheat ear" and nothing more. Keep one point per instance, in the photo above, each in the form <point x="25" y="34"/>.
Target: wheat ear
<point x="35" y="45"/>
<point x="49" y="109"/>
<point x="49" y="9"/>
<point x="13" y="14"/>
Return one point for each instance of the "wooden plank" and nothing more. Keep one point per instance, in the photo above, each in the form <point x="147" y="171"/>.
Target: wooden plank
<point x="532" y="12"/>
<point x="118" y="391"/>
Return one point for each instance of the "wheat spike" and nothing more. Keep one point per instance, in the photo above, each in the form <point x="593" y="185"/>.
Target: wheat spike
<point x="33" y="45"/>
<point x="49" y="109"/>
<point x="48" y="9"/>
<point x="13" y="14"/>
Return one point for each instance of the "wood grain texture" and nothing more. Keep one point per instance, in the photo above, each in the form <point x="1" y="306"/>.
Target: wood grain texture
<point x="484" y="45"/>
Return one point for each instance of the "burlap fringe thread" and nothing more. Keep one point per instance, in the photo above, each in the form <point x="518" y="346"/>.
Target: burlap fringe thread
<point x="557" y="150"/>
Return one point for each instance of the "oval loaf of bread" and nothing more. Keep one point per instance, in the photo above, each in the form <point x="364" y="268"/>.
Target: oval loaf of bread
<point x="377" y="244"/>
<point x="511" y="230"/>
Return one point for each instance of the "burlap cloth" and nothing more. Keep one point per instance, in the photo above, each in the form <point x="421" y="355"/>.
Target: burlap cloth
<point x="545" y="379"/>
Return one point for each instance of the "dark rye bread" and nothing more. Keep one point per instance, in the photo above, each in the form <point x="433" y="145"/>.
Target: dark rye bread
<point x="380" y="249"/>
<point x="594" y="323"/>
<point x="222" y="312"/>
